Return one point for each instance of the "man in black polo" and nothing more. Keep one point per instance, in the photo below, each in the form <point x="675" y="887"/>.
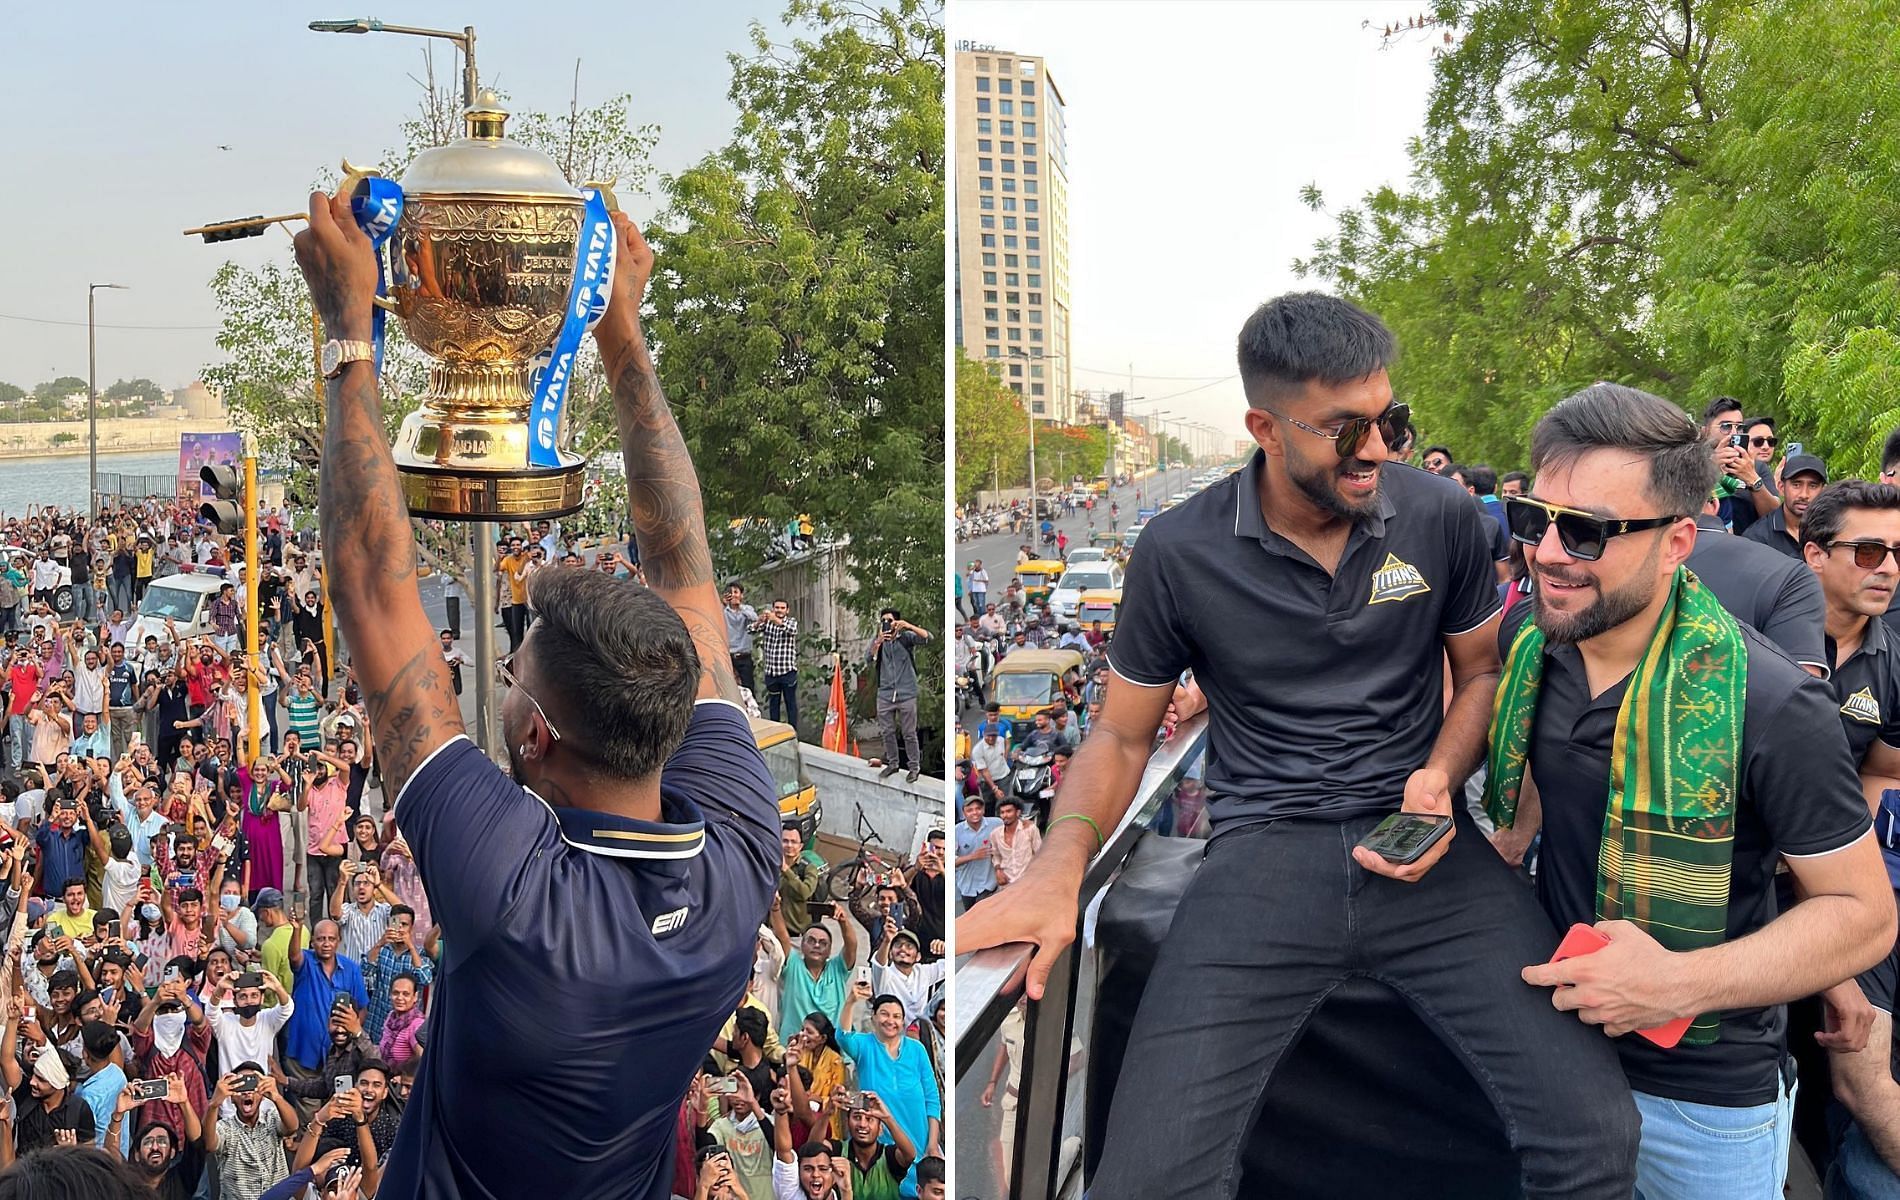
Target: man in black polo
<point x="1779" y="597"/>
<point x="1802" y="478"/>
<point x="1317" y="596"/>
<point x="1677" y="756"/>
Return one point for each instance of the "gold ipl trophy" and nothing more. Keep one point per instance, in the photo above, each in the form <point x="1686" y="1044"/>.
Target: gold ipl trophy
<point x="484" y="268"/>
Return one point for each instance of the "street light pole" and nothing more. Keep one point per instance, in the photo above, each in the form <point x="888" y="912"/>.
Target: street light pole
<point x="481" y="584"/>
<point x="92" y="402"/>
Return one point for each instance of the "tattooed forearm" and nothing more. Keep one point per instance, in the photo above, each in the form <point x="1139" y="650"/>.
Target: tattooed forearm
<point x="669" y="517"/>
<point x="365" y="523"/>
<point x="414" y="714"/>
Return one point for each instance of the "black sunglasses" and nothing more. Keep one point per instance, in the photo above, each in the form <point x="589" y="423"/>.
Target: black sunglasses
<point x="1348" y="437"/>
<point x="1868" y="555"/>
<point x="1583" y="535"/>
<point x="1759" y="442"/>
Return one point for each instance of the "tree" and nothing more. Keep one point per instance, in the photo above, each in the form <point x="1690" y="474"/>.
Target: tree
<point x="992" y="432"/>
<point x="798" y="301"/>
<point x="55" y="390"/>
<point x="1519" y="264"/>
<point x="11" y="393"/>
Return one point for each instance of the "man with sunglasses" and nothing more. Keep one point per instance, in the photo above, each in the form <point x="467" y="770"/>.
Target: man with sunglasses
<point x="1753" y="493"/>
<point x="1352" y="584"/>
<point x="611" y="886"/>
<point x="1802" y="478"/>
<point x="1677" y="756"/>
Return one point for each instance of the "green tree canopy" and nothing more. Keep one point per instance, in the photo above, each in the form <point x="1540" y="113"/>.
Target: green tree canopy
<point x="135" y="389"/>
<point x="59" y="389"/>
<point x="992" y="432"/>
<point x="11" y="392"/>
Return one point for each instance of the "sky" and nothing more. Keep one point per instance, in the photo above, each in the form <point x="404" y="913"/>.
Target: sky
<point x="1192" y="128"/>
<point x="119" y="110"/>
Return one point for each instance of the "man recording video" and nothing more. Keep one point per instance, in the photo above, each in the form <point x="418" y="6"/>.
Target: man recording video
<point x="601" y="908"/>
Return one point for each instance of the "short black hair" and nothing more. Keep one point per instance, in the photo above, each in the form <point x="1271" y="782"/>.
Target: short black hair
<point x="1827" y="512"/>
<point x="1890" y="452"/>
<point x="1483" y="479"/>
<point x="1444" y="450"/>
<point x="62" y="1171"/>
<point x="929" y="1169"/>
<point x="814" y="1149"/>
<point x="1718" y="406"/>
<point x="99" y="1039"/>
<point x="1754" y="421"/>
<point x="1513" y="477"/>
<point x="1682" y="472"/>
<point x="753" y="1024"/>
<point x="1302" y="337"/>
<point x="618" y="666"/>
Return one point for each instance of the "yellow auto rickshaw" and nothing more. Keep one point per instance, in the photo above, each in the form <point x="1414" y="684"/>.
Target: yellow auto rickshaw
<point x="797" y="797"/>
<point x="1028" y="681"/>
<point x="1038" y="577"/>
<point x="1101" y="605"/>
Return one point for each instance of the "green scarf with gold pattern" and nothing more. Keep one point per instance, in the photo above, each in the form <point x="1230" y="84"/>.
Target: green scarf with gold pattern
<point x="1665" y="861"/>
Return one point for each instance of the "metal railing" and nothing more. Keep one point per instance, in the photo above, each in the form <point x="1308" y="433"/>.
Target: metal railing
<point x="137" y="487"/>
<point x="1037" y="1150"/>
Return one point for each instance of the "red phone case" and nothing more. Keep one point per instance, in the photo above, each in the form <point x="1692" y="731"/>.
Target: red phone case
<point x="1582" y="940"/>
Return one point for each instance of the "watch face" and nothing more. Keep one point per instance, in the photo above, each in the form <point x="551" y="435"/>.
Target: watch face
<point x="332" y="356"/>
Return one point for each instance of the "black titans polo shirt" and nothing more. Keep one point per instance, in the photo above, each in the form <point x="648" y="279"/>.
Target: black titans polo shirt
<point x="1324" y="692"/>
<point x="1798" y="796"/>
<point x="1868" y="688"/>
<point x="1778" y="595"/>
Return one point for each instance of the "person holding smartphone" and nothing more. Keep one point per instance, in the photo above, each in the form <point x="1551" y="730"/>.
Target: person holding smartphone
<point x="1355" y="581"/>
<point x="248" y="1145"/>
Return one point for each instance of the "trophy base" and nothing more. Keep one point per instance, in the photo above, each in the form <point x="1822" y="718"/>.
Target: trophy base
<point x="470" y="495"/>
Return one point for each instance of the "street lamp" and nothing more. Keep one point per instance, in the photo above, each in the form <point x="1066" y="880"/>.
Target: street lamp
<point x="464" y="39"/>
<point x="482" y="575"/>
<point x="92" y="402"/>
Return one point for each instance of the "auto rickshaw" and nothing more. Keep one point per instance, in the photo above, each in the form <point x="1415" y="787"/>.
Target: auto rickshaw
<point x="1038" y="577"/>
<point x="1109" y="540"/>
<point x="1028" y="681"/>
<point x="1101" y="605"/>
<point x="797" y="797"/>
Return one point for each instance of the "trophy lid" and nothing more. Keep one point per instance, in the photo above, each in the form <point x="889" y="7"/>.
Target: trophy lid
<point x="485" y="162"/>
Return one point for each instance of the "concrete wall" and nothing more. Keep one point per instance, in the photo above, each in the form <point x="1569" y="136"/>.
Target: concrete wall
<point x="33" y="438"/>
<point x="902" y="812"/>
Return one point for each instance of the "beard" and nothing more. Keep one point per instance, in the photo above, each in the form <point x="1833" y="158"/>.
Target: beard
<point x="1606" y="612"/>
<point x="1320" y="485"/>
<point x="154" y="1170"/>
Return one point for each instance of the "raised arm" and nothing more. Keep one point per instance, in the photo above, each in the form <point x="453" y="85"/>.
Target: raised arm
<point x="669" y="518"/>
<point x="369" y="548"/>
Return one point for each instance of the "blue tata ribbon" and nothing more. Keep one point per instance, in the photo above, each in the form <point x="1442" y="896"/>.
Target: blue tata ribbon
<point x="586" y="304"/>
<point x="377" y="205"/>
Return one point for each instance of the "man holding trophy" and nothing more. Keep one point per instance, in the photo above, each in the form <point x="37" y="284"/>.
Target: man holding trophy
<point x="600" y="908"/>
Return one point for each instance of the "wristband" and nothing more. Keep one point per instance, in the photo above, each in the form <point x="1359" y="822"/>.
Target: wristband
<point x="1100" y="841"/>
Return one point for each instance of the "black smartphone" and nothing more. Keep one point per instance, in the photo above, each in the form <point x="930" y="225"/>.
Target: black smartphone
<point x="821" y="908"/>
<point x="247" y="1083"/>
<point x="250" y="979"/>
<point x="1405" y="837"/>
<point x="112" y="929"/>
<point x="1737" y="441"/>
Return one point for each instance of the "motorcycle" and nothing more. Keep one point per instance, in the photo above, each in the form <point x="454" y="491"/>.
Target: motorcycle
<point x="969" y="696"/>
<point x="1033" y="783"/>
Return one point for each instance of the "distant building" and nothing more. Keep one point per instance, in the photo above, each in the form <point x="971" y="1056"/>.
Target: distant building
<point x="1012" y="226"/>
<point x="198" y="402"/>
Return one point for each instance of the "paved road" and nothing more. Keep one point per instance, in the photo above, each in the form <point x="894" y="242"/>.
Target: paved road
<point x="998" y="550"/>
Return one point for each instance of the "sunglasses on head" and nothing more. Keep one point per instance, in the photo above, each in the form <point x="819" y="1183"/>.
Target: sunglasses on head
<point x="1868" y="555"/>
<point x="1583" y="535"/>
<point x="1350" y="435"/>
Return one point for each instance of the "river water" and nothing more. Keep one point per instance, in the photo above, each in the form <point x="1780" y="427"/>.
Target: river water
<point x="61" y="481"/>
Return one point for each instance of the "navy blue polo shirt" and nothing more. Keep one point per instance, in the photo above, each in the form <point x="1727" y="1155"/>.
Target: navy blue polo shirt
<point x="589" y="962"/>
<point x="1324" y="692"/>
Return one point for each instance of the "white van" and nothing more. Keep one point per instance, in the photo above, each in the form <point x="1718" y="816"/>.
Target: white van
<point x="184" y="598"/>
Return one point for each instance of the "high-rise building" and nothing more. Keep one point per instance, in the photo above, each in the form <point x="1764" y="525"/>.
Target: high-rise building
<point x="1012" y="226"/>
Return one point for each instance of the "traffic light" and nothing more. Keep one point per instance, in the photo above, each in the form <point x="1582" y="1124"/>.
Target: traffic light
<point x="226" y="511"/>
<point x="243" y="227"/>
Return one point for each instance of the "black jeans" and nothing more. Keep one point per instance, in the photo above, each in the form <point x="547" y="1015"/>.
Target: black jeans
<point x="743" y="666"/>
<point x="1277" y="916"/>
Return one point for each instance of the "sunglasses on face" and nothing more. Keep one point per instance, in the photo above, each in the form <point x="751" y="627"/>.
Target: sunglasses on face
<point x="1759" y="442"/>
<point x="1349" y="436"/>
<point x="1868" y="555"/>
<point x="1583" y="535"/>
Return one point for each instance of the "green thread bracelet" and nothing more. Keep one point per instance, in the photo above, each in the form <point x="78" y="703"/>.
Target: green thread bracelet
<point x="1100" y="841"/>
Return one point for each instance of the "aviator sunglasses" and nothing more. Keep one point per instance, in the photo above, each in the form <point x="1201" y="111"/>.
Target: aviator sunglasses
<point x="1349" y="436"/>
<point x="1583" y="535"/>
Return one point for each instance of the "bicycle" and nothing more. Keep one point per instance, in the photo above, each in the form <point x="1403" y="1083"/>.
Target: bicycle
<point x="854" y="882"/>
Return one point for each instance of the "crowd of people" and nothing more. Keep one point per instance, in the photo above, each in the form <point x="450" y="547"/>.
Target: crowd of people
<point x="1648" y="676"/>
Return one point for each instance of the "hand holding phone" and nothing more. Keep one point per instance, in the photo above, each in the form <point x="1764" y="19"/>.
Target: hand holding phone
<point x="1583" y="940"/>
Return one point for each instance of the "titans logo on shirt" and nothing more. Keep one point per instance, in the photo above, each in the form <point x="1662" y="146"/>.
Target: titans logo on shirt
<point x="1861" y="706"/>
<point x="1396" y="580"/>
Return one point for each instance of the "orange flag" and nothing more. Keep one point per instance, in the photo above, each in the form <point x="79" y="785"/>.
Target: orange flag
<point x="837" y="729"/>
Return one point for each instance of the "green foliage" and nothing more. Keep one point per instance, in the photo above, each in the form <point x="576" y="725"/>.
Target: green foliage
<point x="992" y="432"/>
<point x="798" y="301"/>
<point x="11" y="392"/>
<point x="134" y="389"/>
<point x="59" y="389"/>
<point x="61" y="439"/>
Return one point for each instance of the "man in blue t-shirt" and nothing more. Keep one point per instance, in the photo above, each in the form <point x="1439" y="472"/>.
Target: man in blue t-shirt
<point x="600" y="901"/>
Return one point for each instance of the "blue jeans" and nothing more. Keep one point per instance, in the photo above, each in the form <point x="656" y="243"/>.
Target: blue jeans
<point x="785" y="685"/>
<point x="1277" y="916"/>
<point x="1698" y="1151"/>
<point x="17" y="729"/>
<point x="1858" y="1172"/>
